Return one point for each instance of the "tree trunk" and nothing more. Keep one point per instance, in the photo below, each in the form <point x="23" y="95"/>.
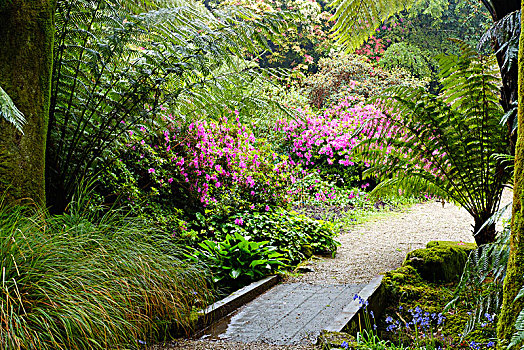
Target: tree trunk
<point x="488" y="233"/>
<point x="508" y="94"/>
<point x="26" y="56"/>
<point x="515" y="272"/>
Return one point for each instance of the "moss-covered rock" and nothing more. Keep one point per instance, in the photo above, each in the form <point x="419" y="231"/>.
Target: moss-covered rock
<point x="403" y="282"/>
<point x="467" y="247"/>
<point x="440" y="261"/>
<point x="407" y="290"/>
<point x="334" y="340"/>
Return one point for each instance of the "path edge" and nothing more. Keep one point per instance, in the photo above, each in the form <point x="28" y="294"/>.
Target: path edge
<point x="348" y="319"/>
<point x="224" y="307"/>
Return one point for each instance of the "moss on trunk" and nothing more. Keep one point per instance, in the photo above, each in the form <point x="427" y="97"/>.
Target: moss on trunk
<point x="515" y="272"/>
<point x="26" y="34"/>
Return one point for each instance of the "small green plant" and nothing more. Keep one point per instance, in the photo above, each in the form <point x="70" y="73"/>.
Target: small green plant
<point x="236" y="260"/>
<point x="290" y="232"/>
<point x="369" y="340"/>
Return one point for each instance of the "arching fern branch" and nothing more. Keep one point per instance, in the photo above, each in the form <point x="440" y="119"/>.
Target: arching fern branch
<point x="504" y="34"/>
<point x="9" y="112"/>
<point x="445" y="143"/>
<point x="356" y="20"/>
<point x="408" y="186"/>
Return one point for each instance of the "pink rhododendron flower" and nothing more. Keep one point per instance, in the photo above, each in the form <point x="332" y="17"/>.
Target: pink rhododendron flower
<point x="239" y="221"/>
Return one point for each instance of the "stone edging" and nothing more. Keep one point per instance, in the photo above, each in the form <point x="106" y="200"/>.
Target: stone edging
<point x="233" y="301"/>
<point x="348" y="320"/>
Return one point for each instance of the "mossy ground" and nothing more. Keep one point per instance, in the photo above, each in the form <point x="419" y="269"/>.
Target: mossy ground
<point x="406" y="290"/>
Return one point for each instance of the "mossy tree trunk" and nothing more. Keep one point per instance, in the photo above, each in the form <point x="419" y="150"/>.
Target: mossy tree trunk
<point x="498" y="9"/>
<point x="26" y="56"/>
<point x="514" y="278"/>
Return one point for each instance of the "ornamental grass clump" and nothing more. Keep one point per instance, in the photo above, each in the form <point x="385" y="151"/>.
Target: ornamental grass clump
<point x="73" y="282"/>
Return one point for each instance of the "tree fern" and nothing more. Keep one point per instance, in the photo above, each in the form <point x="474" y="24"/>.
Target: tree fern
<point x="9" y="112"/>
<point x="117" y="66"/>
<point x="356" y="20"/>
<point x="445" y="143"/>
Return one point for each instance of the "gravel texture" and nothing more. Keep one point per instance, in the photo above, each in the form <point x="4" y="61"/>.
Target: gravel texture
<point x="381" y="244"/>
<point x="222" y="345"/>
<point x="368" y="250"/>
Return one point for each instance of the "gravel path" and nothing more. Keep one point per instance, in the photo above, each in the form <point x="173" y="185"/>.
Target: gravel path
<point x="381" y="245"/>
<point x="368" y="250"/>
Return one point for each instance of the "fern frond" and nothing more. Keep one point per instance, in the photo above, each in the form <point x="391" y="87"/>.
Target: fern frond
<point x="356" y="20"/>
<point x="518" y="336"/>
<point x="9" y="112"/>
<point x="118" y="63"/>
<point x="413" y="185"/>
<point x="504" y="35"/>
<point x="446" y="142"/>
<point x="485" y="270"/>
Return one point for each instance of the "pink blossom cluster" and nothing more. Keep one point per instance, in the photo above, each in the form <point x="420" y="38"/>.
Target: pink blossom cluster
<point x="331" y="135"/>
<point x="217" y="161"/>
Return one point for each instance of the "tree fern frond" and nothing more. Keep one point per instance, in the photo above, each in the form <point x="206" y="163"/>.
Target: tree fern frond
<point x="448" y="140"/>
<point x="414" y="185"/>
<point x="356" y="20"/>
<point x="504" y="35"/>
<point x="9" y="112"/>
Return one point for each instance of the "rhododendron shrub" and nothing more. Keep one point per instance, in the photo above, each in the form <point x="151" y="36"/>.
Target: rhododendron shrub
<point x="325" y="141"/>
<point x="216" y="165"/>
<point x="224" y="162"/>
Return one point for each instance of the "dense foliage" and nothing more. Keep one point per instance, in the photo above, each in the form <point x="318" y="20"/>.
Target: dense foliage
<point x="235" y="139"/>
<point x="111" y="74"/>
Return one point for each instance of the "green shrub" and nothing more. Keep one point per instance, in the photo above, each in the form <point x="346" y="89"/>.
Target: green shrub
<point x="293" y="234"/>
<point x="341" y="75"/>
<point x="88" y="280"/>
<point x="408" y="57"/>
